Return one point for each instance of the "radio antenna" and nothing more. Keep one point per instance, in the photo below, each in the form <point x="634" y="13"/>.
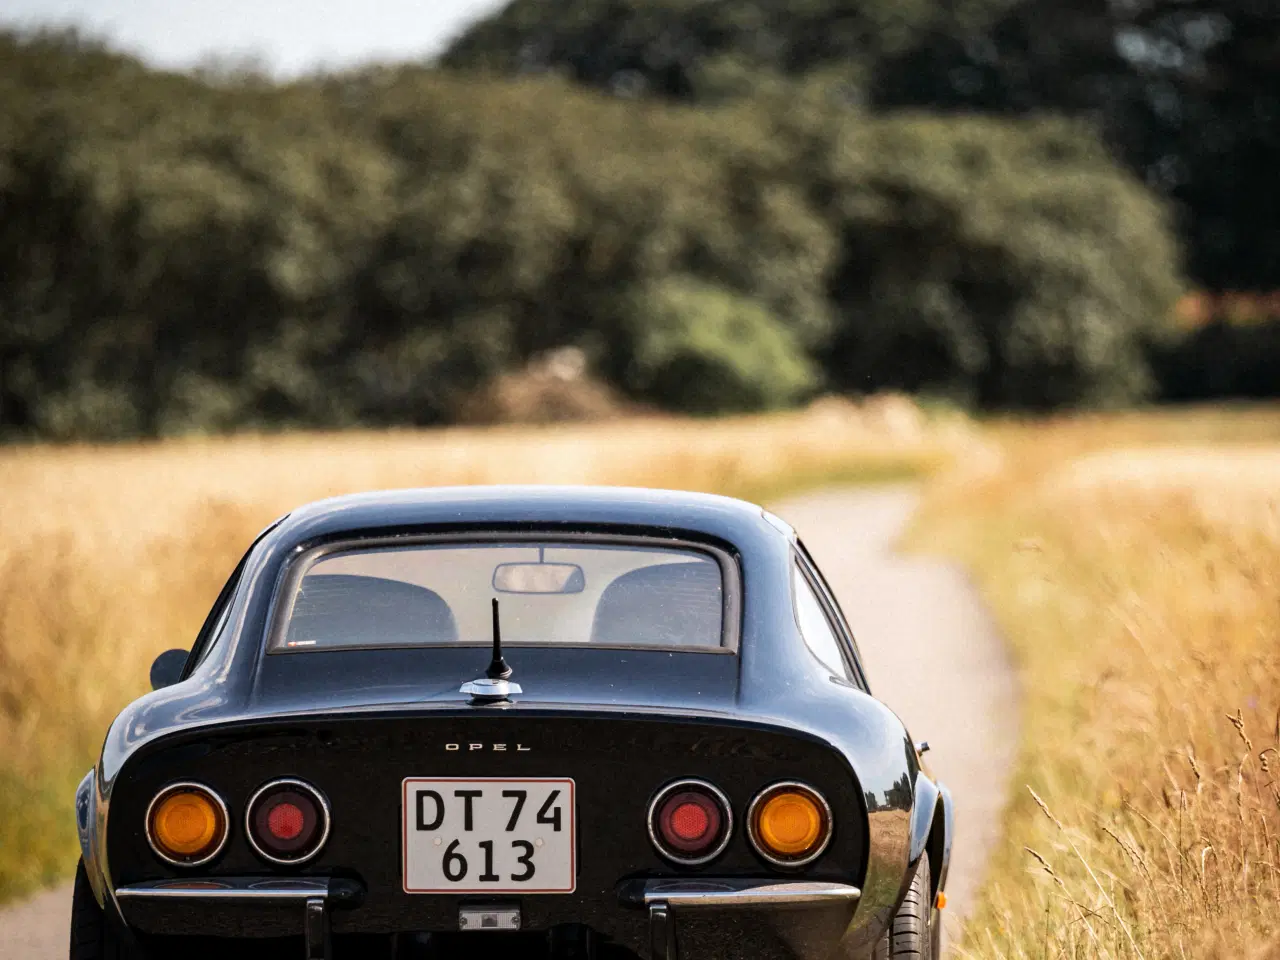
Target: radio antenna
<point x="493" y="689"/>
<point x="498" y="667"/>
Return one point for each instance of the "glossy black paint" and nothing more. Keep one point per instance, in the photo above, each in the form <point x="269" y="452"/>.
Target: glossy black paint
<point x="168" y="668"/>
<point x="621" y="722"/>
<point x="598" y="753"/>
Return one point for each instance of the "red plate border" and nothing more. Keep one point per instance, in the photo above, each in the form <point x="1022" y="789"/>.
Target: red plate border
<point x="404" y="833"/>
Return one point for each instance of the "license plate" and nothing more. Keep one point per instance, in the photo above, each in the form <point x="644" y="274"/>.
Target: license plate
<point x="492" y="835"/>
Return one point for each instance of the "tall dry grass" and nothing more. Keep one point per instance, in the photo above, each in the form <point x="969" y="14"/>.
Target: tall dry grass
<point x="109" y="555"/>
<point x="1134" y="562"/>
<point x="1135" y="566"/>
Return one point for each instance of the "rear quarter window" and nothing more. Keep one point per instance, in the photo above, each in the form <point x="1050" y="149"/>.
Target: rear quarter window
<point x="816" y="630"/>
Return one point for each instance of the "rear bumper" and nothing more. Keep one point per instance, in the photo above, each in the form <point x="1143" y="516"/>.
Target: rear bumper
<point x="242" y="890"/>
<point x="737" y="894"/>
<point x="805" y="915"/>
<point x="680" y="895"/>
<point x="807" y="919"/>
<point x="302" y="904"/>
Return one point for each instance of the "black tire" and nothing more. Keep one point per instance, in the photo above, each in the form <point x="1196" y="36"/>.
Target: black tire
<point x="93" y="937"/>
<point x="913" y="935"/>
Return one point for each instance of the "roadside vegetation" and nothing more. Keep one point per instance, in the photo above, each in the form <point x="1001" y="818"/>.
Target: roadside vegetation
<point x="1133" y="561"/>
<point x="1134" y="565"/>
<point x="109" y="555"/>
<point x="183" y="254"/>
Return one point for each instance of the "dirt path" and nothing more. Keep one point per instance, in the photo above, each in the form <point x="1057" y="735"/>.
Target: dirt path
<point x="930" y="651"/>
<point x="38" y="929"/>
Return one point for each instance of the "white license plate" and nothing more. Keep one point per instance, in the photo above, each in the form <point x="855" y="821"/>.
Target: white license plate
<point x="492" y="835"/>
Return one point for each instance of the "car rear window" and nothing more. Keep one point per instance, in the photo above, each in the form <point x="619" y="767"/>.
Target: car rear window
<point x="549" y="592"/>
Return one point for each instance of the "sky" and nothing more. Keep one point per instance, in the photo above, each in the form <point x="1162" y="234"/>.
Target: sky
<point x="287" y="37"/>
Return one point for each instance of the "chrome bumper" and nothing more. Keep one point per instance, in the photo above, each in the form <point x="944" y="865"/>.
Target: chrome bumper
<point x="742" y="894"/>
<point x="314" y="897"/>
<point x="231" y="888"/>
<point x="665" y="899"/>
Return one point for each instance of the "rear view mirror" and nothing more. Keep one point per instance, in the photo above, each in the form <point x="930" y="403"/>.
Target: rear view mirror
<point x="166" y="669"/>
<point x="539" y="578"/>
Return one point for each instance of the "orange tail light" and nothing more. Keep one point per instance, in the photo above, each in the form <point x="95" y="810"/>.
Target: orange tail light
<point x="789" y="824"/>
<point x="187" y="824"/>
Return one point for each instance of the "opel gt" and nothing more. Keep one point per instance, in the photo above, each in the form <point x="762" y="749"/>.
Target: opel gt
<point x="592" y="723"/>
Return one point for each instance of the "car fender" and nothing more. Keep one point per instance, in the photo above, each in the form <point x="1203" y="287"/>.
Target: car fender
<point x="923" y="810"/>
<point x="932" y="828"/>
<point x="86" y="831"/>
<point x="945" y="837"/>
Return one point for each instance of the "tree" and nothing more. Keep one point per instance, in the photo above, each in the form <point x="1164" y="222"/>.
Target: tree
<point x="1185" y="92"/>
<point x="1007" y="265"/>
<point x="682" y="48"/>
<point x="373" y="248"/>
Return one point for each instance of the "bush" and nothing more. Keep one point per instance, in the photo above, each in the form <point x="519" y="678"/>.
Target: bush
<point x="1004" y="264"/>
<point x="705" y="349"/>
<point x="374" y="248"/>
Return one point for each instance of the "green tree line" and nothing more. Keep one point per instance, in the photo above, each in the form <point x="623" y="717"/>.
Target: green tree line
<point x="1185" y="93"/>
<point x="183" y="253"/>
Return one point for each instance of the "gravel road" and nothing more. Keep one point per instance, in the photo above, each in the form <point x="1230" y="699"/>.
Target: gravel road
<point x="930" y="651"/>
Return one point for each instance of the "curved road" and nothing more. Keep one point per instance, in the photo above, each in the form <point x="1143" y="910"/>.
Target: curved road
<point x="932" y="654"/>
<point x="930" y="651"/>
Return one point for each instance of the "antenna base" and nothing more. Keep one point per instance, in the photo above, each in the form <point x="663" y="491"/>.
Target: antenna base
<point x="489" y="690"/>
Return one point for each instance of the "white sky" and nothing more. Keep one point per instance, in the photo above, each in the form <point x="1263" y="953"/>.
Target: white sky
<point x="287" y="36"/>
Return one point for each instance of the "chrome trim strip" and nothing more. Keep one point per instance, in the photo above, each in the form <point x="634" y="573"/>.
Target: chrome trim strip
<point x="707" y="894"/>
<point x="301" y="786"/>
<point x="195" y="786"/>
<point x="255" y="889"/>
<point x="768" y="792"/>
<point x="725" y="807"/>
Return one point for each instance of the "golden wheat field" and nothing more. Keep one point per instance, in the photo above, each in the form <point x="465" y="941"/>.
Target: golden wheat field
<point x="1134" y="564"/>
<point x="109" y="555"/>
<point x="1132" y="560"/>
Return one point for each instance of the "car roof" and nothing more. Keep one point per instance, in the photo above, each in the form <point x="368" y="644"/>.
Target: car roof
<point x="505" y="505"/>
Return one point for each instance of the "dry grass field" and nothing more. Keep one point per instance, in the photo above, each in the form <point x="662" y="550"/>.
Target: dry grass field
<point x="109" y="555"/>
<point x="1134" y="563"/>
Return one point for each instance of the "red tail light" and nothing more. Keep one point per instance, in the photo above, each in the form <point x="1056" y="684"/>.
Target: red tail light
<point x="690" y="822"/>
<point x="287" y="821"/>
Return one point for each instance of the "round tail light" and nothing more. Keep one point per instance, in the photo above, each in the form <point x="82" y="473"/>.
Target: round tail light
<point x="287" y="821"/>
<point x="789" y="824"/>
<point x="690" y="822"/>
<point x="187" y="824"/>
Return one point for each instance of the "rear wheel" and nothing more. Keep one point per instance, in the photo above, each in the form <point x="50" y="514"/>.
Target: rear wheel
<point x="913" y="935"/>
<point x="93" y="936"/>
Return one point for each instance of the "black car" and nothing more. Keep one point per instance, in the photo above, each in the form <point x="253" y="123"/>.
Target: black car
<point x="554" y="722"/>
